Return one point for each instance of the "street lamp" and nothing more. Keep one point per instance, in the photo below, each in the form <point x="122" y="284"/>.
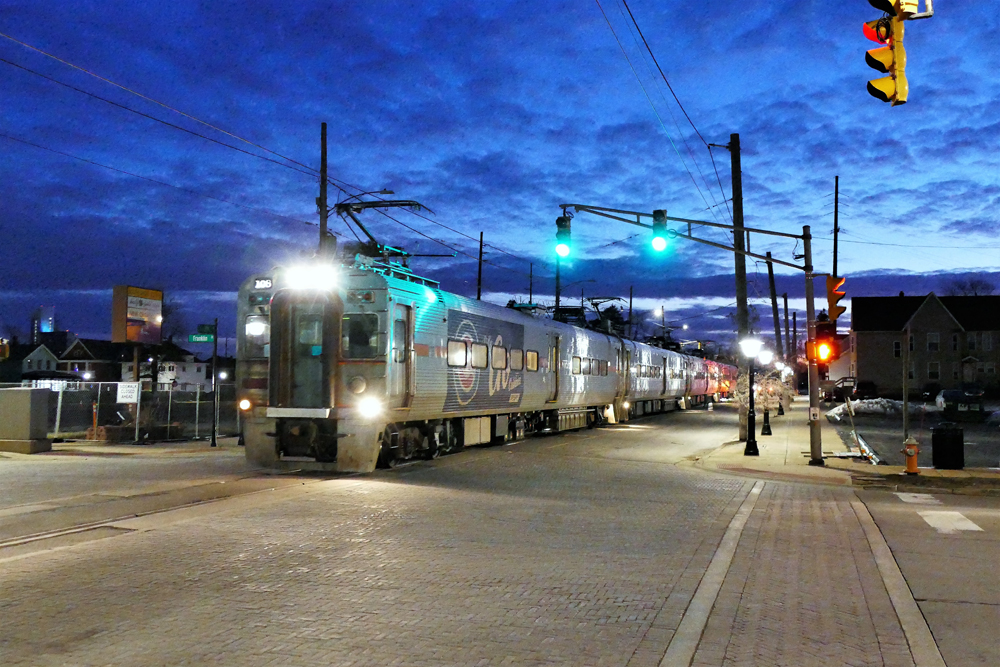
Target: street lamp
<point x="751" y="348"/>
<point x="765" y="357"/>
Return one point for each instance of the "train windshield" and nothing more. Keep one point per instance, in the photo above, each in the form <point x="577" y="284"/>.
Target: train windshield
<point x="257" y="336"/>
<point x="360" y="336"/>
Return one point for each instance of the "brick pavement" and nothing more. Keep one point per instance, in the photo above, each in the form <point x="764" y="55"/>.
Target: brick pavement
<point x="523" y="555"/>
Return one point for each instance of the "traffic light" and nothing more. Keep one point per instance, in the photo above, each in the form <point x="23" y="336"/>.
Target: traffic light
<point x="562" y="236"/>
<point x="889" y="59"/>
<point x="823" y="350"/>
<point x="833" y="284"/>
<point x="659" y="230"/>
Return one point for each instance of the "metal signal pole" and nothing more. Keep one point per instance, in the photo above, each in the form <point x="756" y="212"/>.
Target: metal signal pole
<point x="739" y="236"/>
<point x="815" y="442"/>
<point x="479" y="280"/>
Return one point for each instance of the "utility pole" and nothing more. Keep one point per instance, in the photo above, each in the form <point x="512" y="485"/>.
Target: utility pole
<point x="320" y="201"/>
<point x="215" y="375"/>
<point x="531" y="283"/>
<point x="479" y="280"/>
<point x="739" y="235"/>
<point x="795" y="337"/>
<point x="631" y="330"/>
<point x="791" y="348"/>
<point x="906" y="383"/>
<point x="778" y="350"/>
<point x="836" y="227"/>
<point x="815" y="435"/>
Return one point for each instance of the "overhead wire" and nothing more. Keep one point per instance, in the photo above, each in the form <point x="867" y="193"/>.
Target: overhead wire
<point x="153" y="180"/>
<point x="154" y="101"/>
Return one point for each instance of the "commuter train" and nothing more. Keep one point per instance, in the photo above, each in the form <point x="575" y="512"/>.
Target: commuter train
<point x="350" y="367"/>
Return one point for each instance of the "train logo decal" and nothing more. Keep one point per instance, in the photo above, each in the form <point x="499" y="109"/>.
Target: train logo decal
<point x="484" y="388"/>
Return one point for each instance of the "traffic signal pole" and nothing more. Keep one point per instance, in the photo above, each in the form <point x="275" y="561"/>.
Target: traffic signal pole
<point x="815" y="435"/>
<point x="739" y="235"/>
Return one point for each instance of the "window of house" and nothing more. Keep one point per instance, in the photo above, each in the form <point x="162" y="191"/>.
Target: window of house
<point x="457" y="353"/>
<point x="933" y="342"/>
<point x="987" y="341"/>
<point x="29" y="364"/>
<point x="954" y="342"/>
<point x="585" y="366"/>
<point x="910" y="373"/>
<point x="911" y="342"/>
<point x="48" y="365"/>
<point x="897" y="349"/>
<point x="972" y="342"/>
<point x="499" y="357"/>
<point x="531" y="360"/>
<point x="933" y="370"/>
<point x="171" y="368"/>
<point x="991" y="368"/>
<point x="516" y="359"/>
<point x="184" y="369"/>
<point x="956" y="372"/>
<point x="576" y="365"/>
<point x="480" y="355"/>
<point x="197" y="369"/>
<point x="981" y="367"/>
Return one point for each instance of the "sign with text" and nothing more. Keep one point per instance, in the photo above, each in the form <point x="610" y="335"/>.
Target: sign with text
<point x="128" y="392"/>
<point x="136" y="315"/>
<point x="201" y="338"/>
<point x="206" y="328"/>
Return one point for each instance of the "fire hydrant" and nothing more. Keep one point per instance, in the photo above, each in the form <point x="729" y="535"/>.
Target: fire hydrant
<point x="910" y="451"/>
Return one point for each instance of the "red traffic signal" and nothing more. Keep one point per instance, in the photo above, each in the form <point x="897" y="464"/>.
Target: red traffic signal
<point x="823" y="350"/>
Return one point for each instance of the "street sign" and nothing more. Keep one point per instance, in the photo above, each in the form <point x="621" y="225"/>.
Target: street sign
<point x="201" y="338"/>
<point x="206" y="329"/>
<point x="128" y="392"/>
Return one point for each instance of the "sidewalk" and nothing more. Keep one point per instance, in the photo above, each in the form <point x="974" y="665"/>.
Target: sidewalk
<point x="785" y="456"/>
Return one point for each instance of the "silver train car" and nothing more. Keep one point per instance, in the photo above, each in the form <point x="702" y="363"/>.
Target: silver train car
<point x="348" y="368"/>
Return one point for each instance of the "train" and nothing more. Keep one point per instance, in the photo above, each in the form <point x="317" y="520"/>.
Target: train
<point x="350" y="367"/>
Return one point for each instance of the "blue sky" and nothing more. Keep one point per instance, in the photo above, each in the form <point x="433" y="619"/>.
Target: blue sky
<point x="491" y="114"/>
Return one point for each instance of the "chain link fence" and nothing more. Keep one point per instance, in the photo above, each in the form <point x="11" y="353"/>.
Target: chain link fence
<point x="90" y="411"/>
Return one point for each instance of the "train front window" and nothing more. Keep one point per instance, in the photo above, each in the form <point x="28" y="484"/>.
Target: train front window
<point x="257" y="332"/>
<point x="360" y="336"/>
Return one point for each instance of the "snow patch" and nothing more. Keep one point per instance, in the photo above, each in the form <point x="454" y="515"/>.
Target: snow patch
<point x="878" y="406"/>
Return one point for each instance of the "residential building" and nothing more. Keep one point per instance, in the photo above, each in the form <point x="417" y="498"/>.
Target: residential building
<point x="948" y="340"/>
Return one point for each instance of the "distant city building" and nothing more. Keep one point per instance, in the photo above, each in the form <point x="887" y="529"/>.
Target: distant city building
<point x="950" y="341"/>
<point x="43" y="321"/>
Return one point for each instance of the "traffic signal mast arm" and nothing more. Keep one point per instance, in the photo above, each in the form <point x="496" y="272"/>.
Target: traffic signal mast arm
<point x="673" y="233"/>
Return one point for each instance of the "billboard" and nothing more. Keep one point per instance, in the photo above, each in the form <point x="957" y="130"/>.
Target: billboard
<point x="136" y="315"/>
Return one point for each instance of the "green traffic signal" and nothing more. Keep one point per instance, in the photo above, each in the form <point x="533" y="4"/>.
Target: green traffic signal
<point x="563" y="236"/>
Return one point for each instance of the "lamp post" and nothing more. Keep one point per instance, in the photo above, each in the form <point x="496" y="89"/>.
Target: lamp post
<point x="765" y="357"/>
<point x="780" y="365"/>
<point x="751" y="348"/>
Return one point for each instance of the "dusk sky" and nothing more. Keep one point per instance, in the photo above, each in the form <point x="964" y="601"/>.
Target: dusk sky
<point x="490" y="114"/>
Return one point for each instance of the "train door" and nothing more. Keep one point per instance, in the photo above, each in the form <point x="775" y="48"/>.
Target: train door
<point x="664" y="370"/>
<point x="303" y="345"/>
<point x="552" y="377"/>
<point x="400" y="357"/>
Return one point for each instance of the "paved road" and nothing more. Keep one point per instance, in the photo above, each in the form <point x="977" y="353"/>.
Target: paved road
<point x="593" y="548"/>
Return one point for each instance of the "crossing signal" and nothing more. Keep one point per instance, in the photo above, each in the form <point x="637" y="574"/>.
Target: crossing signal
<point x="833" y="296"/>
<point x="659" y="230"/>
<point x="891" y="58"/>
<point x="563" y="236"/>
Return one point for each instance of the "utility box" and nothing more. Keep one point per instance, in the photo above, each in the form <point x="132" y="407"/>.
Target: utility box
<point x="948" y="446"/>
<point x="24" y="426"/>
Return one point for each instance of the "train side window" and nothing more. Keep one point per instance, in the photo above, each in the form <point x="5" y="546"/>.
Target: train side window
<point x="531" y="360"/>
<point x="480" y="355"/>
<point x="458" y="353"/>
<point x="516" y="359"/>
<point x="399" y="341"/>
<point x="604" y="367"/>
<point x="585" y="366"/>
<point x="576" y="365"/>
<point x="499" y="357"/>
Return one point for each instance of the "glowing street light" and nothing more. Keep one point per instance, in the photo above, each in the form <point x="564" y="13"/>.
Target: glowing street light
<point x="751" y="347"/>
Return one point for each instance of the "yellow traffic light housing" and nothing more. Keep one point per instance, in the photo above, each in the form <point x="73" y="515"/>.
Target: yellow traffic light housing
<point x="889" y="59"/>
<point x="833" y="297"/>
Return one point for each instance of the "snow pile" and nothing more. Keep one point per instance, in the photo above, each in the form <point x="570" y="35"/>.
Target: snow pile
<point x="877" y="406"/>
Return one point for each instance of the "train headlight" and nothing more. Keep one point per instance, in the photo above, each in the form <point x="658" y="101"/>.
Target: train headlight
<point x="256" y="325"/>
<point x="311" y="277"/>
<point x="357" y="384"/>
<point x="245" y="405"/>
<point x="369" y="407"/>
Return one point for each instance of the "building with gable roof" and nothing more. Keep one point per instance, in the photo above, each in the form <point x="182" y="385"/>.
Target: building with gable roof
<point x="950" y="340"/>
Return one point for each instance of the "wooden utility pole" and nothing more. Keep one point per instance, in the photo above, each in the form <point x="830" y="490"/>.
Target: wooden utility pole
<point x="739" y="236"/>
<point x="321" y="200"/>
<point x="836" y="227"/>
<point x="631" y="331"/>
<point x="479" y="280"/>
<point x="778" y="350"/>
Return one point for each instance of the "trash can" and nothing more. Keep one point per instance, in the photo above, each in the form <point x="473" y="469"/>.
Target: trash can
<point x="948" y="446"/>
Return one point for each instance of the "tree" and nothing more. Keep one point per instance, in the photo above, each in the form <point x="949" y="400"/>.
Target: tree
<point x="969" y="287"/>
<point x="174" y="324"/>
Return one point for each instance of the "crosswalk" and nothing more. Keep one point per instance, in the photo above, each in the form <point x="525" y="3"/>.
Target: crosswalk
<point x="943" y="521"/>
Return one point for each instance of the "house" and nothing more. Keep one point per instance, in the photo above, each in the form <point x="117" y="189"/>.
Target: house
<point x="949" y="340"/>
<point x="95" y="360"/>
<point x="176" y="368"/>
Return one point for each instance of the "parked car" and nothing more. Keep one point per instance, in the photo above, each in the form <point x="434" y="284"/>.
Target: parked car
<point x="864" y="389"/>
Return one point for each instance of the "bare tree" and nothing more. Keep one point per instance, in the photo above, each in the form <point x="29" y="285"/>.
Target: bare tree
<point x="969" y="287"/>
